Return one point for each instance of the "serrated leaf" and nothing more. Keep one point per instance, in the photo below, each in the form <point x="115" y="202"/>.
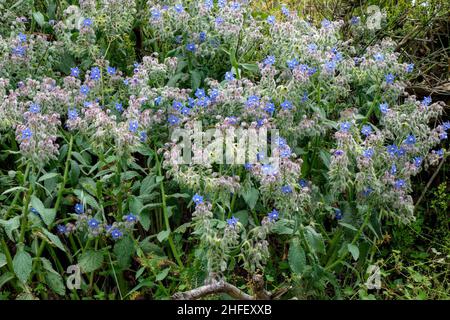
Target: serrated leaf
<point x="90" y="261"/>
<point x="315" y="240"/>
<point x="354" y="250"/>
<point x="163" y="235"/>
<point x="54" y="239"/>
<point x="55" y="282"/>
<point x="124" y="249"/>
<point x="22" y="264"/>
<point x="296" y="257"/>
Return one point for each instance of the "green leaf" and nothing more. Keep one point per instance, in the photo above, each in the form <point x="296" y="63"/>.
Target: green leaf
<point x="162" y="275"/>
<point x="242" y="216"/>
<point x="39" y="18"/>
<point x="315" y="240"/>
<point x="90" y="261"/>
<point x="55" y="282"/>
<point x="252" y="67"/>
<point x="354" y="250"/>
<point x="48" y="176"/>
<point x="2" y="260"/>
<point x="22" y="264"/>
<point x="10" y="225"/>
<point x="196" y="79"/>
<point x="47" y="215"/>
<point x="296" y="257"/>
<point x="163" y="235"/>
<point x="124" y="249"/>
<point x="250" y="196"/>
<point x="348" y="226"/>
<point x="135" y="205"/>
<point x="5" y="278"/>
<point x="54" y="239"/>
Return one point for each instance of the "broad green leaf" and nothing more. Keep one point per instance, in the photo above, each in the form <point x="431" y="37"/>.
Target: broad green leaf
<point x="252" y="67"/>
<point x="315" y="240"/>
<point x="55" y="282"/>
<point x="10" y="225"/>
<point x="242" y="216"/>
<point x="90" y="261"/>
<point x="39" y="18"/>
<point x="22" y="264"/>
<point x="196" y="79"/>
<point x="2" y="260"/>
<point x="296" y="256"/>
<point x="163" y="235"/>
<point x="54" y="239"/>
<point x="5" y="278"/>
<point x="348" y="226"/>
<point x="354" y="250"/>
<point x="162" y="275"/>
<point x="250" y="196"/>
<point x="135" y="205"/>
<point x="49" y="175"/>
<point x="124" y="249"/>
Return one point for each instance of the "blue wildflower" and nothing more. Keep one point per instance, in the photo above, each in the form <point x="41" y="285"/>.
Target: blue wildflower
<point x="111" y="70"/>
<point x="197" y="199"/>
<point x="303" y="183"/>
<point x="133" y="126"/>
<point x="368" y="153"/>
<point x="366" y="130"/>
<point x="116" y="234"/>
<point x="22" y="37"/>
<point x="378" y="57"/>
<point x="286" y="105"/>
<point x="338" y="153"/>
<point x="337" y="213"/>
<point x="19" y="51"/>
<point x="158" y="100"/>
<point x="142" y="136"/>
<point x="426" y="101"/>
<point x="118" y="107"/>
<point x="417" y="161"/>
<point x="286" y="189"/>
<point x="325" y="23"/>
<point x="439" y="152"/>
<point x="271" y="20"/>
<point x="229" y="76"/>
<point x="35" y="108"/>
<point x="87" y="22"/>
<point x="312" y="47"/>
<point x="232" y="222"/>
<point x="79" y="208"/>
<point x="345" y="126"/>
<point x="26" y="134"/>
<point x="393" y="170"/>
<point x="84" y="89"/>
<point x="270" y="107"/>
<point x="219" y="20"/>
<point x="61" y="228"/>
<point x="72" y="114"/>
<point x="355" y="20"/>
<point x="367" y="191"/>
<point x="384" y="108"/>
<point x="392" y="149"/>
<point x="399" y="184"/>
<point x="269" y="60"/>
<point x="95" y="74"/>
<point x="190" y="47"/>
<point x="410" y="139"/>
<point x="252" y="101"/>
<point x="443" y="135"/>
<point x="273" y="215"/>
<point x="389" y="78"/>
<point x="130" y="218"/>
<point x="156" y="14"/>
<point x="285" y="10"/>
<point x="292" y="63"/>
<point x="179" y="8"/>
<point x="202" y="36"/>
<point x="446" y="125"/>
<point x="410" y="67"/>
<point x="93" y="223"/>
<point x="173" y="120"/>
<point x="248" y="166"/>
<point x="75" y="72"/>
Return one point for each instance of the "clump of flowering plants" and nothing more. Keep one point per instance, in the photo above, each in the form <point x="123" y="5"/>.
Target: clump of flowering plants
<point x="92" y="176"/>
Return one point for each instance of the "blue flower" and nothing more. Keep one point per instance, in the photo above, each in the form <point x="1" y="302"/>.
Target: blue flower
<point x="338" y="153"/>
<point x="202" y="36"/>
<point x="229" y="76"/>
<point x="269" y="60"/>
<point x="235" y="5"/>
<point x="111" y="70"/>
<point x="417" y="161"/>
<point x="392" y="149"/>
<point x="443" y="136"/>
<point x="446" y="125"/>
<point x="19" y="51"/>
<point x="61" y="228"/>
<point x="177" y="105"/>
<point x="79" y="208"/>
<point x="156" y="14"/>
<point x="84" y="89"/>
<point x="273" y="215"/>
<point x="158" y="100"/>
<point x="367" y="191"/>
<point x="368" y="153"/>
<point x="200" y="93"/>
<point x="410" y="139"/>
<point x="355" y="20"/>
<point x="292" y="63"/>
<point x="252" y="101"/>
<point x="345" y="126"/>
<point x="312" y="47"/>
<point x="393" y="170"/>
<point x="93" y="223"/>
<point x="118" y="107"/>
<point x="325" y="23"/>
<point x="35" y="108"/>
<point x="426" y="101"/>
<point x="378" y="57"/>
<point x="248" y="166"/>
<point x="410" y="67"/>
<point x="190" y="47"/>
<point x="72" y="114"/>
<point x="439" y="152"/>
<point x="286" y="189"/>
<point x="366" y="130"/>
<point x="75" y="72"/>
<point x="95" y="74"/>
<point x="330" y="66"/>
<point x="198" y="199"/>
<point x="389" y="78"/>
<point x="178" y="39"/>
<point x="116" y="234"/>
<point x="285" y="10"/>
<point x="232" y="222"/>
<point x="270" y="107"/>
<point x="399" y="184"/>
<point x="219" y="20"/>
<point x="337" y="213"/>
<point x="286" y="105"/>
<point x="173" y="120"/>
<point x="384" y="108"/>
<point x="214" y="94"/>
<point x="179" y="8"/>
<point x="26" y="134"/>
<point x="87" y="22"/>
<point x="142" y="136"/>
<point x="130" y="218"/>
<point x="271" y="20"/>
<point x="133" y="126"/>
<point x="22" y="37"/>
<point x="222" y="3"/>
<point x="303" y="183"/>
<point x="208" y="4"/>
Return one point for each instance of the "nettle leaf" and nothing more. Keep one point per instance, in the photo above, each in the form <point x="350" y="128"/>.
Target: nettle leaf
<point x="354" y="250"/>
<point x="90" y="260"/>
<point x="296" y="257"/>
<point x="10" y="225"/>
<point x="250" y="196"/>
<point x="53" y="239"/>
<point x="315" y="240"/>
<point x="124" y="249"/>
<point x="23" y="264"/>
